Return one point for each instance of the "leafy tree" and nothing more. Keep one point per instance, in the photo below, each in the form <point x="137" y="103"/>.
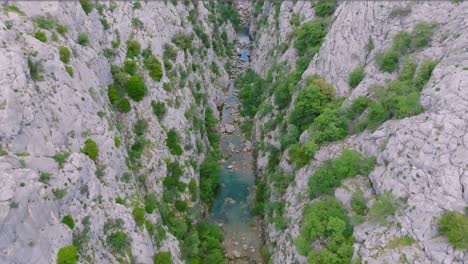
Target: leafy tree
<point x="328" y="176"/>
<point x="124" y="106"/>
<point x="402" y="42"/>
<point x="301" y="155"/>
<point x="454" y="226"/>
<point x="67" y="255"/>
<point x="357" y="107"/>
<point x="355" y="77"/>
<point x="130" y="67"/>
<point x="422" y="34"/>
<point x="251" y="88"/>
<point x="329" y="126"/>
<point x="387" y="61"/>
<point x="135" y="87"/>
<point x="311" y="102"/>
<point x="91" y="149"/>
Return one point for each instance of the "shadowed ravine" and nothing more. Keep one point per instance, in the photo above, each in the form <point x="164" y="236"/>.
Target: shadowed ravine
<point x="232" y="206"/>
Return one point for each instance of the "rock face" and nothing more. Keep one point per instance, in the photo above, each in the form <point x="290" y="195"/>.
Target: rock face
<point x="58" y="111"/>
<point x="421" y="158"/>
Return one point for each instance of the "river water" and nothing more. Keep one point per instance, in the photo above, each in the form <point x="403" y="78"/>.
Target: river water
<point x="232" y="207"/>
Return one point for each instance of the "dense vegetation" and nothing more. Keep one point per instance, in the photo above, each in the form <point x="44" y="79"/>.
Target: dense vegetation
<point x="251" y="88"/>
<point x="454" y="226"/>
<point x="325" y="223"/>
<point x="355" y="77"/>
<point x="328" y="176"/>
<point x="91" y="149"/>
<point x="67" y="255"/>
<point x="172" y="142"/>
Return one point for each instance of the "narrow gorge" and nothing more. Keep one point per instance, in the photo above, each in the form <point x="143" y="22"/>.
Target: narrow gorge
<point x="239" y="131"/>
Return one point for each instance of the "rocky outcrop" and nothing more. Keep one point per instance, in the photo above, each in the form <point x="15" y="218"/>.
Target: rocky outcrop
<point x="420" y="158"/>
<point x="58" y="111"/>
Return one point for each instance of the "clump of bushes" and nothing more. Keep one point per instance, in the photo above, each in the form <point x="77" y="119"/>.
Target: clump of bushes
<point x="91" y="149"/>
<point x="355" y="77"/>
<point x="67" y="255"/>
<point x="68" y="220"/>
<point x="302" y="154"/>
<point x="359" y="203"/>
<point x="83" y="39"/>
<point x="330" y="174"/>
<point x="385" y="205"/>
<point x="87" y="6"/>
<point x="210" y="179"/>
<point x="139" y="216"/>
<point x="154" y="67"/>
<point x="324" y="8"/>
<point x="124" y="106"/>
<point x="60" y="158"/>
<point x="182" y="40"/>
<point x="135" y="87"/>
<point x="130" y="67"/>
<point x="404" y="43"/>
<point x="309" y="38"/>
<point x="327" y="221"/>
<point x="311" y="102"/>
<point x="35" y="70"/>
<point x="454" y="226"/>
<point x="65" y="54"/>
<point x="251" y="88"/>
<point x="159" y="109"/>
<point x="41" y="36"/>
<point x="119" y="242"/>
<point x="69" y="70"/>
<point x="172" y="142"/>
<point x="163" y="258"/>
<point x="133" y="48"/>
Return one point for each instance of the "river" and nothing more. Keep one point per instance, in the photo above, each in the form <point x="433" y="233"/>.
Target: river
<point x="232" y="206"/>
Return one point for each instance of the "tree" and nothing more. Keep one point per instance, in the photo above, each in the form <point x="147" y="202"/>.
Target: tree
<point x="91" y="149"/>
<point x="210" y="179"/>
<point x="355" y="77"/>
<point x="309" y="37"/>
<point x="133" y="48"/>
<point x="172" y="142"/>
<point x="329" y="126"/>
<point x="65" y="54"/>
<point x="139" y="216"/>
<point x="163" y="258"/>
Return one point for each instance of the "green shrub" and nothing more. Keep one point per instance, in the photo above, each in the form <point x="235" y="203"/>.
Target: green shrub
<point x="329" y="126"/>
<point x="163" y="258"/>
<point x="159" y="109"/>
<point x="45" y="22"/>
<point x="385" y="205"/>
<point x="181" y="206"/>
<point x="65" y="54"/>
<point x="83" y="39"/>
<point x="124" y="106"/>
<point x="139" y="216"/>
<point x="35" y="70"/>
<point x="13" y="8"/>
<point x="119" y="242"/>
<point x="91" y="149"/>
<point x="130" y="67"/>
<point x="60" y="158"/>
<point x="324" y="8"/>
<point x="172" y="142"/>
<point x="135" y="87"/>
<point x="151" y="202"/>
<point x="311" y="102"/>
<point x="400" y="242"/>
<point x="402" y="42"/>
<point x="117" y="141"/>
<point x="62" y="30"/>
<point x="357" y="107"/>
<point x="119" y="200"/>
<point x="59" y="193"/>
<point x="454" y="226"/>
<point x="302" y="154"/>
<point x="230" y="13"/>
<point x="67" y="255"/>
<point x="69" y="70"/>
<point x="421" y="34"/>
<point x="210" y="179"/>
<point x="309" y="38"/>
<point x="68" y="220"/>
<point x="154" y="67"/>
<point x="87" y="6"/>
<point x="45" y="177"/>
<point x="355" y="77"/>
<point x="113" y="94"/>
<point x="329" y="175"/>
<point x="359" y="203"/>
<point x="41" y="36"/>
<point x="133" y="48"/>
<point x="387" y="61"/>
<point x="326" y="220"/>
